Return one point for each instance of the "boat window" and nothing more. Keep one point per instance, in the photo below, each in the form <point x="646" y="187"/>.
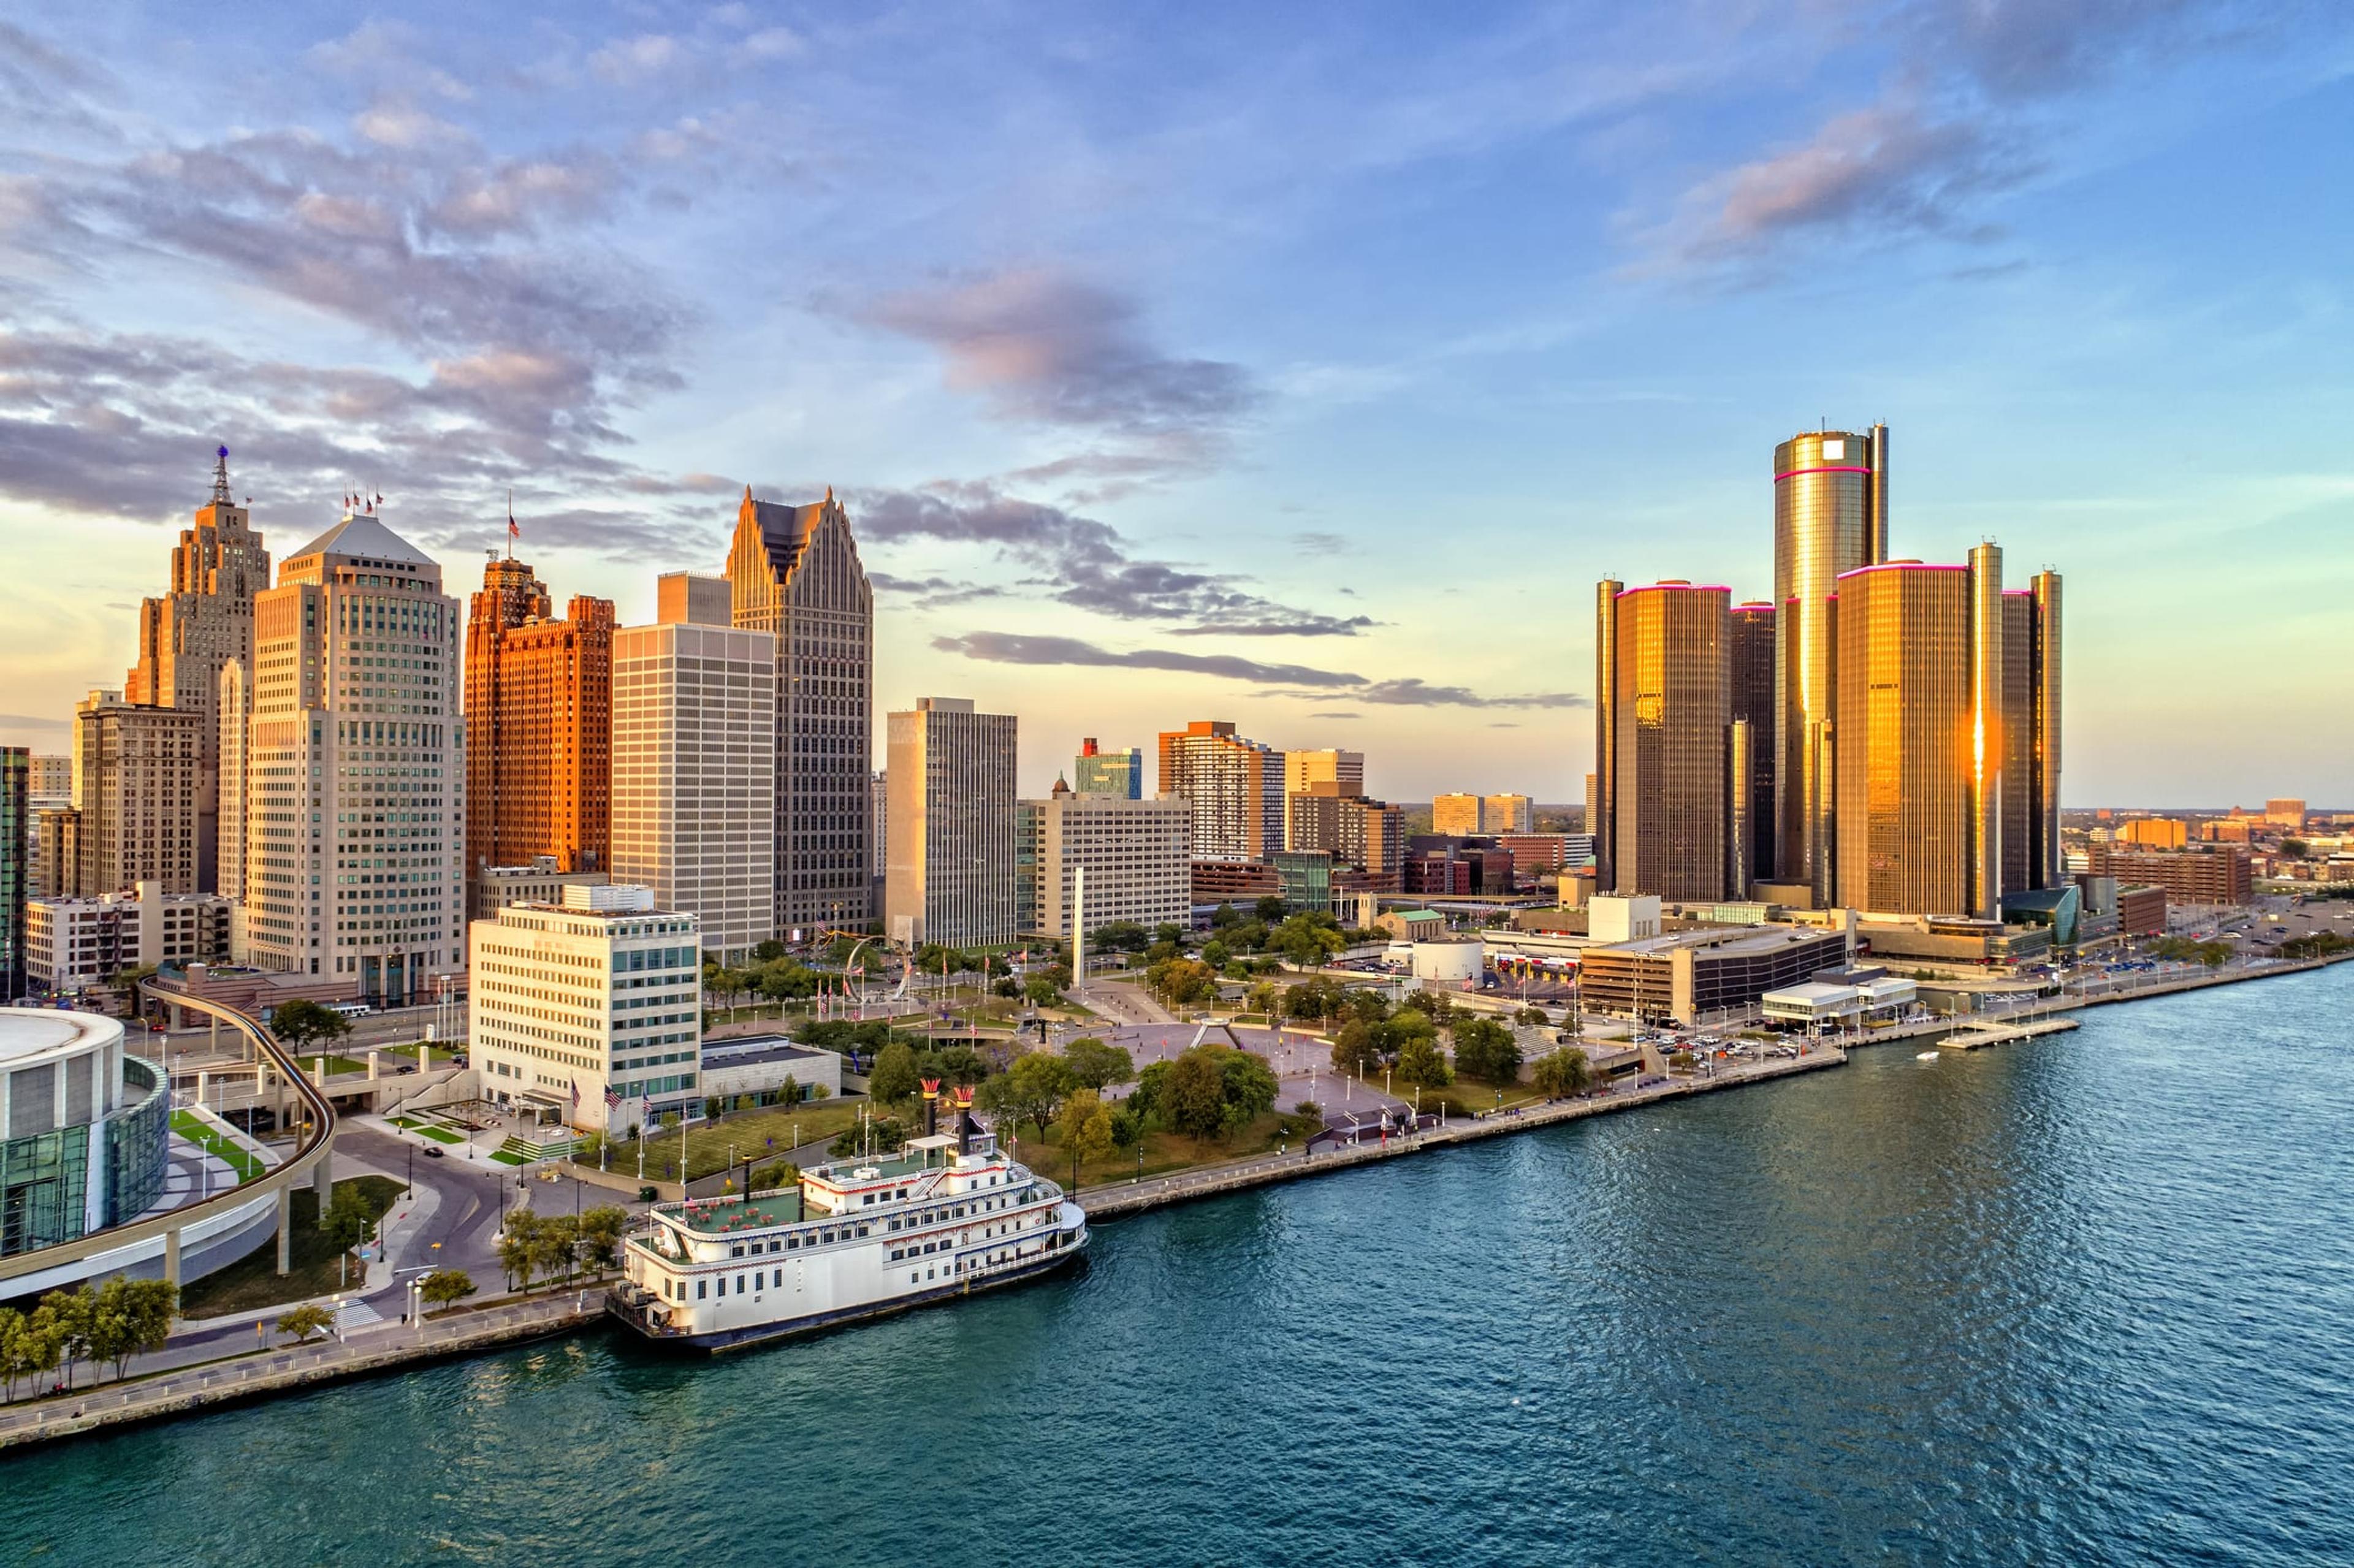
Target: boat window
<point x="864" y="1229"/>
<point x="793" y="1242"/>
<point x="739" y="1284"/>
<point x="698" y="1289"/>
<point x="760" y="1280"/>
<point x="735" y="1251"/>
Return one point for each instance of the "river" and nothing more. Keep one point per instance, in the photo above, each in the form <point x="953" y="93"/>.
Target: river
<point x="2085" y="1299"/>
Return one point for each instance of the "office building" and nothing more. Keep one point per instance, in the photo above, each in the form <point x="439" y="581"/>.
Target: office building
<point x="49" y="780"/>
<point x="1135" y="855"/>
<point x="543" y="880"/>
<point x="84" y="1129"/>
<point x="15" y="865"/>
<point x="1831" y="515"/>
<point x="1699" y="976"/>
<point x="54" y="852"/>
<point x="1750" y="701"/>
<point x="1234" y="787"/>
<point x="878" y="797"/>
<point x="1548" y="851"/>
<point x="953" y="877"/>
<point x="539" y="724"/>
<point x="1098" y="772"/>
<point x="794" y="573"/>
<point x="587" y="1013"/>
<point x="138" y="782"/>
<point x="354" y="747"/>
<point x="1661" y="726"/>
<point x="689" y="599"/>
<point x="1368" y="836"/>
<point x="1343" y="772"/>
<point x="71" y="944"/>
<point x="1441" y="865"/>
<point x="2154" y="832"/>
<point x="2288" y="815"/>
<point x="2210" y="874"/>
<point x="694" y="776"/>
<point x="204" y="622"/>
<point x="1459" y="814"/>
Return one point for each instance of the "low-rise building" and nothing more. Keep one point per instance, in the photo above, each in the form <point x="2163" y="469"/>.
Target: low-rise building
<point x="84" y="1129"/>
<point x="2211" y="874"/>
<point x="493" y="887"/>
<point x="769" y="1069"/>
<point x="71" y="944"/>
<point x="1411" y="925"/>
<point x="1689" y="976"/>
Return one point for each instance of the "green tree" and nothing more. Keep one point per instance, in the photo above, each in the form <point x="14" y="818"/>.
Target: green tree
<point x="1085" y="1126"/>
<point x="306" y="1322"/>
<point x="1042" y="990"/>
<point x="556" y="1245"/>
<point x="602" y="1229"/>
<point x="882" y="1134"/>
<point x="1145" y="1099"/>
<point x="1562" y="1073"/>
<point x="346" y="1218"/>
<point x="1312" y="999"/>
<point x="445" y="1287"/>
<point x="1216" y="954"/>
<point x="1030" y="1090"/>
<point x="1265" y="998"/>
<point x="1306" y="939"/>
<point x="1269" y="909"/>
<point x="1420" y="1061"/>
<point x="1097" y="1066"/>
<point x="1356" y="1048"/>
<point x="131" y="1317"/>
<point x="1193" y="1098"/>
<point x="1530" y="1015"/>
<point x="1126" y="1128"/>
<point x="1248" y="1082"/>
<point x="770" y="951"/>
<point x="1486" y="1050"/>
<point x="894" y="1078"/>
<point x="516" y="1256"/>
<point x="31" y="1345"/>
<point x="1183" y="980"/>
<point x="303" y="1022"/>
<point x="1122" y="936"/>
<point x="70" y="1317"/>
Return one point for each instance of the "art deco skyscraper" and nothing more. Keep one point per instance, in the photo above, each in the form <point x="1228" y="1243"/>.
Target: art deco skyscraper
<point x="794" y="573"/>
<point x="1831" y="515"/>
<point x="539" y="725"/>
<point x="1667" y="714"/>
<point x="137" y="785"/>
<point x="184" y="638"/>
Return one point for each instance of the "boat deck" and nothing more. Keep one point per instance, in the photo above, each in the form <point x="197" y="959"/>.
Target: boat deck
<point x="715" y="1216"/>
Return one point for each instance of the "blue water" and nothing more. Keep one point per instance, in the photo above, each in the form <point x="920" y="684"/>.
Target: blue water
<point x="2082" y="1301"/>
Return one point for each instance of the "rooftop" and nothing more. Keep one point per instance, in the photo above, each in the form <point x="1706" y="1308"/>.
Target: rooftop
<point x="29" y="1033"/>
<point x="1730" y="941"/>
<point x="363" y="534"/>
<point x="754" y="1050"/>
<point x="713" y="1216"/>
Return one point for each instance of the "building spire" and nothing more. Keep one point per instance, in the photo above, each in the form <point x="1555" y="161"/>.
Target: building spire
<point x="221" y="477"/>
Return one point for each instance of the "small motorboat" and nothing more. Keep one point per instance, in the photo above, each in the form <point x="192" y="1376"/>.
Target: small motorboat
<point x="1924" y="1056"/>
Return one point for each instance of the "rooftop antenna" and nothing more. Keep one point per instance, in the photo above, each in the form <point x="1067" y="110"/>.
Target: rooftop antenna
<point x="221" y="476"/>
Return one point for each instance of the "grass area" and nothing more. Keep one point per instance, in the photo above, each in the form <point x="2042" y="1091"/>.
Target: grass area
<point x="1163" y="1152"/>
<point x="1472" y="1098"/>
<point x="749" y="1131"/>
<point x="310" y="1061"/>
<point x="438" y="1134"/>
<point x="215" y="1142"/>
<point x="503" y="1157"/>
<point x="253" y="1281"/>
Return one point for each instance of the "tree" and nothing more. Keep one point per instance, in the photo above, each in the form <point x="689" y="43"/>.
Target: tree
<point x="131" y="1317"/>
<point x="1306" y="939"/>
<point x="1183" y="980"/>
<point x="346" y="1218"/>
<point x="303" y="1022"/>
<point x="305" y="1322"/>
<point x="1126" y="1128"/>
<point x="1486" y="1050"/>
<point x="1145" y="1099"/>
<point x="1097" y="1066"/>
<point x="1122" y="936"/>
<point x="600" y="1234"/>
<point x="1314" y="997"/>
<point x="556" y="1245"/>
<point x="445" y="1287"/>
<point x="770" y="951"/>
<point x="1420" y="1061"/>
<point x="1560" y="1073"/>
<point x="1030" y="1090"/>
<point x="515" y="1254"/>
<point x="884" y="1133"/>
<point x="1216" y="954"/>
<point x="1356" y="1049"/>
<point x="1265" y="998"/>
<point x="893" y="1076"/>
<point x="1086" y="1125"/>
<point x="1270" y="908"/>
<point x="70" y="1317"/>
<point x="1193" y="1098"/>
<point x="1534" y="1016"/>
<point x="29" y="1345"/>
<point x="1250" y="1084"/>
<point x="1042" y="990"/>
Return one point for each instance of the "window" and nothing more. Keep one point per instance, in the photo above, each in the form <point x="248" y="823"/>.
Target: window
<point x="699" y="1288"/>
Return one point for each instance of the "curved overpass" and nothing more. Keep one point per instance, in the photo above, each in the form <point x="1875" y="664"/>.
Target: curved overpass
<point x="309" y="1162"/>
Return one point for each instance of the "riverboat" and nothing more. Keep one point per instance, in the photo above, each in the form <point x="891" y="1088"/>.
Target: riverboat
<point x="946" y="1217"/>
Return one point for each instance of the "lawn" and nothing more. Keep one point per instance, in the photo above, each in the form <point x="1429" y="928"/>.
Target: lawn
<point x="212" y="1141"/>
<point x="750" y="1132"/>
<point x="253" y="1281"/>
<point x="1163" y="1152"/>
<point x="426" y="1129"/>
<point x="310" y="1063"/>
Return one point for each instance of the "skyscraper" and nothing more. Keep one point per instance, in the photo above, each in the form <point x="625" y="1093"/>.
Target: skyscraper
<point x="1460" y="814"/>
<point x="1304" y="771"/>
<point x="794" y="573"/>
<point x="1098" y="772"/>
<point x="16" y="866"/>
<point x="1831" y="515"/>
<point x="184" y="638"/>
<point x="954" y="870"/>
<point x="1663" y="722"/>
<point x="694" y="776"/>
<point x="1135" y="853"/>
<point x="355" y="857"/>
<point x="137" y="772"/>
<point x="1752" y="674"/>
<point x="539" y="725"/>
<point x="1234" y="786"/>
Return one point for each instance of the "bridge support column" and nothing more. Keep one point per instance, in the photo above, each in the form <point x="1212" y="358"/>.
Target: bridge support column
<point x="322" y="1175"/>
<point x="172" y="1255"/>
<point x="285" y="1230"/>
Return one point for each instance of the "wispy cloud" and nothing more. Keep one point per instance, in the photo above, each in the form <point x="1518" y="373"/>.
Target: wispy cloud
<point x="1289" y="680"/>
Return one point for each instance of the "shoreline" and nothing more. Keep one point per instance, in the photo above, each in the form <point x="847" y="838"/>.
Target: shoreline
<point x="257" y="1376"/>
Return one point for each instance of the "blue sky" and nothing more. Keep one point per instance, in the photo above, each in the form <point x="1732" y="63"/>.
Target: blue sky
<point x="1302" y="366"/>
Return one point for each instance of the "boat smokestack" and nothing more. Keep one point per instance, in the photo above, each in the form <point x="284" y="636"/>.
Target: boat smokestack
<point x="931" y="1107"/>
<point x="964" y="1119"/>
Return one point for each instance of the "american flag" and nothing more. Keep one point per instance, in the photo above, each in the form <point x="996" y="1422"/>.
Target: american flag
<point x="612" y="1097"/>
<point x="576" y="1093"/>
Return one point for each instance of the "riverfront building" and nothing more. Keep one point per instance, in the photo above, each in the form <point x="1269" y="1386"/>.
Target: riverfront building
<point x="1750" y="700"/>
<point x="539" y="725"/>
<point x="954" y="872"/>
<point x="84" y="1129"/>
<point x="2211" y="874"/>
<point x="694" y="776"/>
<point x="16" y="866"/>
<point x="354" y="859"/>
<point x="1660" y="722"/>
<point x="1690" y="977"/>
<point x="794" y="574"/>
<point x="587" y="1013"/>
<point x="1234" y="786"/>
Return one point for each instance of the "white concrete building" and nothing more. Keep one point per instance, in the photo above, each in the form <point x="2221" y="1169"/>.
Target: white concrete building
<point x="1136" y="855"/>
<point x="492" y="887"/>
<point x="953" y="877"/>
<point x="1615" y="917"/>
<point x="74" y="943"/>
<point x="694" y="776"/>
<point x="588" y="1012"/>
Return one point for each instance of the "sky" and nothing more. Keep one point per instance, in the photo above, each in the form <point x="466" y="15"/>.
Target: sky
<point x="1301" y="366"/>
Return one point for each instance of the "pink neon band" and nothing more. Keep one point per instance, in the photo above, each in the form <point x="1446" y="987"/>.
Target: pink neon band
<point x="1795" y="471"/>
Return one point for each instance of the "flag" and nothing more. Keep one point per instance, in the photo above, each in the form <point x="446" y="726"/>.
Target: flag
<point x="612" y="1098"/>
<point x="647" y="1102"/>
<point x="513" y="532"/>
<point x="576" y="1093"/>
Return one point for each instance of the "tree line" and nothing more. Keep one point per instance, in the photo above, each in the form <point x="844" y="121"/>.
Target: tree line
<point x="105" y="1325"/>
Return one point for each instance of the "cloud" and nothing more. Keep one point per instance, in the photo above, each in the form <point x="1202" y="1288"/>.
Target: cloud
<point x="1085" y="562"/>
<point x="1319" y="544"/>
<point x="1336" y="715"/>
<point x="1022" y="648"/>
<point x="33" y="721"/>
<point x="627" y="61"/>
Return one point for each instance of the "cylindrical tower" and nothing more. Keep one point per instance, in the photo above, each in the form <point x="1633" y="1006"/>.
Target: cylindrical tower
<point x="1605" y="826"/>
<point x="1827" y="491"/>
<point x="1987" y="740"/>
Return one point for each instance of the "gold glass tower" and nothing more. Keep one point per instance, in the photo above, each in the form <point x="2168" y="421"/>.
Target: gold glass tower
<point x="1831" y="515"/>
<point x="1903" y="787"/>
<point x="1666" y="714"/>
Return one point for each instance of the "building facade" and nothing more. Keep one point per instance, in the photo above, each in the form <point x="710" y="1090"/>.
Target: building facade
<point x="204" y="622"/>
<point x="694" y="776"/>
<point x="1095" y="771"/>
<point x="1134" y="853"/>
<point x="2211" y="874"/>
<point x="73" y="944"/>
<point x="138" y="781"/>
<point x="794" y="573"/>
<point x="355" y="833"/>
<point x="84" y="1129"/>
<point x="589" y="1012"/>
<point x="954" y="875"/>
<point x="1234" y="785"/>
<point x="15" y="865"/>
<point x="493" y="887"/>
<point x="1482" y="814"/>
<point x="539" y="724"/>
<point x="1664" y="722"/>
<point x="1750" y="655"/>
<point x="1369" y="835"/>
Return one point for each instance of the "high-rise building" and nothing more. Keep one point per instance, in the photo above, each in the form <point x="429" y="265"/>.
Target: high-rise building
<point x="137" y="784"/>
<point x="589" y="1008"/>
<point x="233" y="745"/>
<point x="184" y="638"/>
<point x="1304" y="771"/>
<point x="51" y="780"/>
<point x="694" y="776"/>
<point x="490" y="888"/>
<point x="1134" y="852"/>
<point x="1661" y="724"/>
<point x="539" y="724"/>
<point x="2155" y="833"/>
<point x="953" y="876"/>
<point x="16" y="866"/>
<point x="1751" y="656"/>
<point x="794" y="573"/>
<point x="1098" y="772"/>
<point x="878" y="796"/>
<point x="1482" y="814"/>
<point x="354" y="750"/>
<point x="2286" y="813"/>
<point x="1234" y="787"/>
<point x="56" y="852"/>
<point x="71" y="944"/>
<point x="688" y="599"/>
<point x="1831" y="515"/>
<point x="1369" y="835"/>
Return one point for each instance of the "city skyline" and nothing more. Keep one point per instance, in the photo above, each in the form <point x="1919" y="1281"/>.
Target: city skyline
<point x="1179" y="461"/>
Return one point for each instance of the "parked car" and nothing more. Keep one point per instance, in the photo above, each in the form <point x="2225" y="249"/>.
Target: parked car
<point x="432" y="1151"/>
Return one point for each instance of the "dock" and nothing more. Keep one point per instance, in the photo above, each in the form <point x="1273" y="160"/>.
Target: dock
<point x="1972" y="1039"/>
